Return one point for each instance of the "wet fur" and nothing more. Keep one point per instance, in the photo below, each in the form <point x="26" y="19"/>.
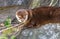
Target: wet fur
<point x="44" y="15"/>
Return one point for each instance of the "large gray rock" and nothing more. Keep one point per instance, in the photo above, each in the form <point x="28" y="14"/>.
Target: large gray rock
<point x="10" y="2"/>
<point x="47" y="31"/>
<point x="4" y="3"/>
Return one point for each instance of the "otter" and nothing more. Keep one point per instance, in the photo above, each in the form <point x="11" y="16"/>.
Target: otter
<point x="38" y="16"/>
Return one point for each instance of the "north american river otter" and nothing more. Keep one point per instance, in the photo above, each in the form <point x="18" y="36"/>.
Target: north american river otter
<point x="38" y="16"/>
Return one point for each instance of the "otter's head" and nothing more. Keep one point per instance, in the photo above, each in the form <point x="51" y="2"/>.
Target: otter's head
<point x="22" y="15"/>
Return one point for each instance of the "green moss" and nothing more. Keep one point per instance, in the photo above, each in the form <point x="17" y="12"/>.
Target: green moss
<point x="7" y="22"/>
<point x="13" y="37"/>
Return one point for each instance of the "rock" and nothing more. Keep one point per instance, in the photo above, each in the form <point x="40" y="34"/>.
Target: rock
<point x="48" y="31"/>
<point x="10" y="2"/>
<point x="4" y="3"/>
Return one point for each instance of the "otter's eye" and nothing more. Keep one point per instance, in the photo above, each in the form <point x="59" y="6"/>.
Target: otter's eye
<point x="22" y="15"/>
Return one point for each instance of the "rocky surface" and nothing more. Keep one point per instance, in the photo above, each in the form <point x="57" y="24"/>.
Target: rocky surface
<point x="47" y="31"/>
<point x="4" y="3"/>
<point x="10" y="2"/>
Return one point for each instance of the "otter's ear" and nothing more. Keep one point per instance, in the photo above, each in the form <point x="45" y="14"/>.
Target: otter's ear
<point x="22" y="15"/>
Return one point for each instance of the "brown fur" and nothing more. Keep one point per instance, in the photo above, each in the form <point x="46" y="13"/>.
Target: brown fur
<point x="44" y="15"/>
